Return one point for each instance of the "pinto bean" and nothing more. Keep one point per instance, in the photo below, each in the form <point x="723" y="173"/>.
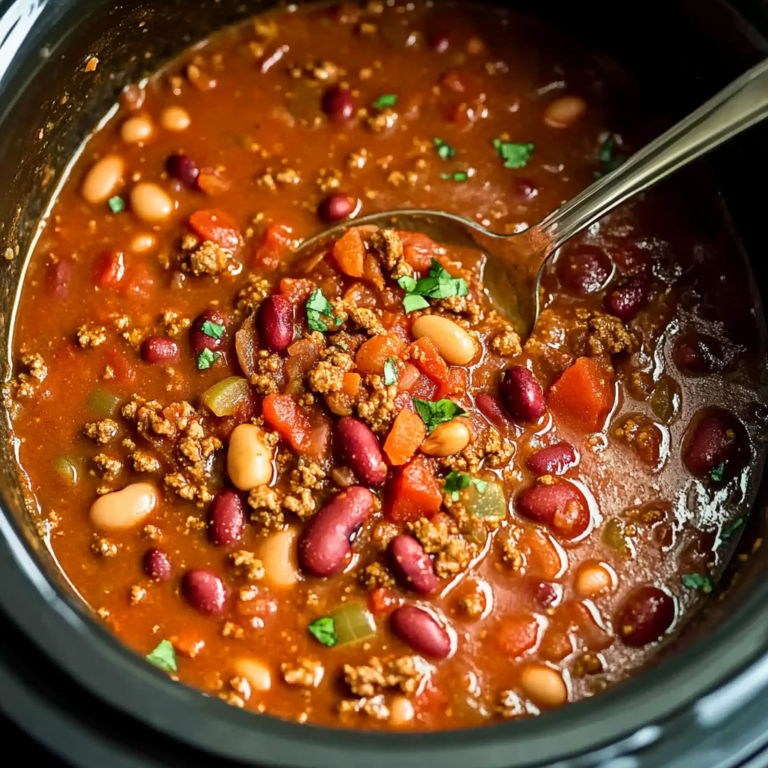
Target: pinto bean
<point x="324" y="547"/>
<point x="412" y="565"/>
<point x="522" y="394"/>
<point x="157" y="565"/>
<point x="226" y="518"/>
<point x="647" y="613"/>
<point x="136" y="129"/>
<point x="552" y="460"/>
<point x="564" y="111"/>
<point x="175" y="119"/>
<point x="103" y="178"/>
<point x="204" y="591"/>
<point x="421" y="631"/>
<point x="278" y="554"/>
<point x="276" y="322"/>
<point x="249" y="458"/>
<point x="544" y="686"/>
<point x="593" y="578"/>
<point x="158" y="350"/>
<point x="711" y="443"/>
<point x="560" y="506"/>
<point x="627" y="300"/>
<point x="151" y="203"/>
<point x="452" y="341"/>
<point x="124" y="509"/>
<point x="255" y="671"/>
<point x="200" y="340"/>
<point x="448" y="439"/>
<point x="401" y="711"/>
<point x="361" y="450"/>
<point x="143" y="243"/>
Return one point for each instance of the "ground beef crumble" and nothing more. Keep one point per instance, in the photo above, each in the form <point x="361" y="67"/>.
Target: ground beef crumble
<point x="91" y="335"/>
<point x="489" y="448"/>
<point x="607" y="335"/>
<point x="305" y="673"/>
<point x="144" y="462"/>
<point x="247" y="565"/>
<point x="403" y="672"/>
<point x="376" y="575"/>
<point x="328" y="374"/>
<point x="250" y="297"/>
<point x="507" y="343"/>
<point x="101" y="431"/>
<point x="441" y="537"/>
<point x="266" y="380"/>
<point x="377" y="407"/>
<point x="267" y="504"/>
<point x="209" y="259"/>
<point x="389" y="247"/>
<point x="110" y="466"/>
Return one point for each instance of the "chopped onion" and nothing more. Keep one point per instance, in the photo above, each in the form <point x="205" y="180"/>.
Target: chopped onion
<point x="66" y="470"/>
<point x="222" y="398"/>
<point x="353" y="622"/>
<point x="485" y="500"/>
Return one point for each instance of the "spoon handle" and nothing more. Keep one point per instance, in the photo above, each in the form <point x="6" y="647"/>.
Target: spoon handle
<point x="738" y="107"/>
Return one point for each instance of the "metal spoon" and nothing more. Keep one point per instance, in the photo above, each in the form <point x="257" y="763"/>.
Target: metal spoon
<point x="514" y="263"/>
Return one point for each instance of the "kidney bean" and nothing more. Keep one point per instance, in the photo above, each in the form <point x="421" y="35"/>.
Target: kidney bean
<point x="182" y="168"/>
<point x="696" y="356"/>
<point x="361" y="450"/>
<point x="711" y="444"/>
<point x="559" y="506"/>
<point x="647" y="613"/>
<point x="339" y="104"/>
<point x="522" y="394"/>
<point x="276" y="322"/>
<point x="627" y="300"/>
<point x="583" y="269"/>
<point x="412" y="565"/>
<point x="552" y="460"/>
<point x="440" y="43"/>
<point x="524" y="190"/>
<point x="226" y="518"/>
<point x="492" y="409"/>
<point x="337" y="206"/>
<point x="200" y="340"/>
<point x="421" y="631"/>
<point x="204" y="591"/>
<point x="157" y="565"/>
<point x="158" y="350"/>
<point x="58" y="275"/>
<point x="545" y="595"/>
<point x="324" y="547"/>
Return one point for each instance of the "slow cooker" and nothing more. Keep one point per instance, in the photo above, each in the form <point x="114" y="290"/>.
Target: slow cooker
<point x="87" y="699"/>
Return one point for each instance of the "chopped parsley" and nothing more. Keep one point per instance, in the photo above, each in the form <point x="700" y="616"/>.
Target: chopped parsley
<point x="731" y="528"/>
<point x="164" y="657"/>
<point x="324" y="631"/>
<point x="456" y="482"/>
<point x="214" y="330"/>
<point x="444" y="151"/>
<point x="391" y="372"/>
<point x="439" y="284"/>
<point x="318" y="306"/>
<point x="697" y="581"/>
<point x="435" y="414"/>
<point x="717" y="473"/>
<point x="206" y="359"/>
<point x="385" y="100"/>
<point x="116" y="204"/>
<point x="607" y="156"/>
<point x="514" y="153"/>
<point x="456" y="176"/>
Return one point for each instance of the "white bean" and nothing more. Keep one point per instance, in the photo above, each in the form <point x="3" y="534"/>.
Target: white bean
<point x="175" y="119"/>
<point x="451" y="340"/>
<point x="278" y="555"/>
<point x="103" y="178"/>
<point x="136" y="129"/>
<point x="150" y="202"/>
<point x="249" y="458"/>
<point x="255" y="671"/>
<point x="544" y="686"/>
<point x="124" y="509"/>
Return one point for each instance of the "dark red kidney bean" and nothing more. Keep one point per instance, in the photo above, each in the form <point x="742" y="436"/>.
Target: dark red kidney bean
<point x="421" y="631"/>
<point x="226" y="518"/>
<point x="339" y="104"/>
<point x="524" y="190"/>
<point x="324" y="547"/>
<point x="552" y="460"/>
<point x="158" y="350"/>
<point x="695" y="356"/>
<point x="560" y="506"/>
<point x="276" y="322"/>
<point x="157" y="565"/>
<point x="199" y="340"/>
<point x="546" y="595"/>
<point x="58" y="276"/>
<point x="412" y="565"/>
<point x="647" y="613"/>
<point x="182" y="168"/>
<point x="583" y="268"/>
<point x="522" y="394"/>
<point x="361" y="450"/>
<point x="337" y="207"/>
<point x="204" y="591"/>
<point x="492" y="409"/>
<point x="440" y="43"/>
<point x="712" y="442"/>
<point x="627" y="300"/>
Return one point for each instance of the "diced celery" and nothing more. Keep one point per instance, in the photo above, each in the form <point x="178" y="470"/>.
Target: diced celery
<point x="485" y="500"/>
<point x="614" y="536"/>
<point x="103" y="403"/>
<point x="222" y="398"/>
<point x="66" y="470"/>
<point x="353" y="622"/>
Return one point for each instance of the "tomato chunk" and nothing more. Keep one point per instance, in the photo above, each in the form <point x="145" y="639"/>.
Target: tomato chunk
<point x="582" y="397"/>
<point x="414" y="493"/>
<point x="216" y="226"/>
<point x="405" y="437"/>
<point x="349" y="252"/>
<point x="110" y="269"/>
<point x="383" y="601"/>
<point x="429" y="361"/>
<point x="418" y="249"/>
<point x="274" y="246"/>
<point x="375" y="352"/>
<point x="285" y="415"/>
<point x="458" y="381"/>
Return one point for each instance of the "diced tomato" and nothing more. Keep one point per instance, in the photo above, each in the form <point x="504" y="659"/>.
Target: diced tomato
<point x="110" y="269"/>
<point x="405" y="437"/>
<point x="375" y="352"/>
<point x="349" y="252"/>
<point x="418" y="250"/>
<point x="541" y="557"/>
<point x="274" y="246"/>
<point x="457" y="383"/>
<point x="517" y="634"/>
<point x="429" y="361"/>
<point x="408" y="378"/>
<point x="383" y="601"/>
<point x="123" y="370"/>
<point x="582" y="397"/>
<point x="414" y="492"/>
<point x="303" y="355"/>
<point x="297" y="290"/>
<point x="58" y="276"/>
<point x="285" y="415"/>
<point x="425" y="389"/>
<point x="320" y="441"/>
<point x="216" y="226"/>
<point x="372" y="271"/>
<point x="404" y="401"/>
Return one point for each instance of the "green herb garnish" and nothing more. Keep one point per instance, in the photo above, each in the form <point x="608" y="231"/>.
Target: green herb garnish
<point x="435" y="414"/>
<point x="116" y="204"/>
<point x="731" y="528"/>
<point x="206" y="359"/>
<point x="413" y="301"/>
<point x="608" y="157"/>
<point x="391" y="372"/>
<point x="324" y="631"/>
<point x="318" y="306"/>
<point x="214" y="330"/>
<point x="385" y="100"/>
<point x="515" y="154"/>
<point x="456" y="482"/>
<point x="457" y="176"/>
<point x="717" y="473"/>
<point x="439" y="284"/>
<point x="444" y="151"/>
<point x="697" y="581"/>
<point x="164" y="657"/>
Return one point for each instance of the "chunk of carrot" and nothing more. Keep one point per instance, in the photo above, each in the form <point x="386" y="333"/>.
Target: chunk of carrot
<point x="405" y="437"/>
<point x="216" y="226"/>
<point x="582" y="397"/>
<point x="414" y="492"/>
<point x="418" y="249"/>
<point x="350" y="384"/>
<point x="374" y="353"/>
<point x="349" y="252"/>
<point x="285" y="416"/>
<point x="429" y="361"/>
